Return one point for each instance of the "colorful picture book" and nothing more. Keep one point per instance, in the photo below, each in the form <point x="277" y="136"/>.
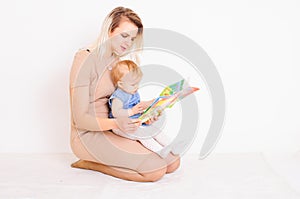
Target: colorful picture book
<point x="167" y="98"/>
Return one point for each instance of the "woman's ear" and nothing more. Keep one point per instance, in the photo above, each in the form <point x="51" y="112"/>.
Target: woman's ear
<point x="109" y="33"/>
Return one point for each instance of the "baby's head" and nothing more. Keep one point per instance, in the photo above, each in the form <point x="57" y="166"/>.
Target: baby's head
<point x="126" y="75"/>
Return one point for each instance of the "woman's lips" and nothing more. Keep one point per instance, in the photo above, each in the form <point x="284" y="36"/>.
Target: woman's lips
<point x="123" y="48"/>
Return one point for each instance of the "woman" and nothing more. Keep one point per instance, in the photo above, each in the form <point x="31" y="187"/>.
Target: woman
<point x="90" y="87"/>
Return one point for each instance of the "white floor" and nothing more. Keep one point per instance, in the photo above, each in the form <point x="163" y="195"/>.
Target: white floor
<point x="222" y="176"/>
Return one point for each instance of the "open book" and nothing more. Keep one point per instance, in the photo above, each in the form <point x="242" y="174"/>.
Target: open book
<point x="167" y="98"/>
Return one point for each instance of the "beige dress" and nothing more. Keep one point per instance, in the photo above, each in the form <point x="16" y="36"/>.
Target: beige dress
<point x="90" y="88"/>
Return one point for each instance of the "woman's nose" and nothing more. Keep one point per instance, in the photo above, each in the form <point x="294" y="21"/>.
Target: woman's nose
<point x="128" y="42"/>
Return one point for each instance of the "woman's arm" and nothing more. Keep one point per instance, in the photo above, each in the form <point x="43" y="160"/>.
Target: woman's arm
<point x="79" y="84"/>
<point x="82" y="119"/>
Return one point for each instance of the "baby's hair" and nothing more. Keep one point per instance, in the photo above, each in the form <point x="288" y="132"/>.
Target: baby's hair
<point x="122" y="68"/>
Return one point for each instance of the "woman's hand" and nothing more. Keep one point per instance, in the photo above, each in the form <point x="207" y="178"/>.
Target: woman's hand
<point x="127" y="125"/>
<point x="155" y="118"/>
<point x="152" y="120"/>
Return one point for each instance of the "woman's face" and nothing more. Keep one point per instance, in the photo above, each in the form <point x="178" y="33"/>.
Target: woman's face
<point x="123" y="37"/>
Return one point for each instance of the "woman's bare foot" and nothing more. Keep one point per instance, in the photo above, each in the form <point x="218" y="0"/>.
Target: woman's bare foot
<point x="125" y="174"/>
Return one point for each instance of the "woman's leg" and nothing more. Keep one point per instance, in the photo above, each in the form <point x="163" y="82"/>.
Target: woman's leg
<point x="122" y="158"/>
<point x="173" y="162"/>
<point x="122" y="173"/>
<point x="127" y="174"/>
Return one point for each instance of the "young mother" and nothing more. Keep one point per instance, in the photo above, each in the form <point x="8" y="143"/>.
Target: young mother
<point x="92" y="140"/>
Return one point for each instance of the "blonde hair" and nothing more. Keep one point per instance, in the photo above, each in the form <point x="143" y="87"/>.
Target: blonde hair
<point x="111" y="22"/>
<point x="122" y="68"/>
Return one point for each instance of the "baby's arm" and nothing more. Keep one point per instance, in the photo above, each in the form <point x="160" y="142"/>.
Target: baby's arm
<point x="118" y="111"/>
<point x="146" y="104"/>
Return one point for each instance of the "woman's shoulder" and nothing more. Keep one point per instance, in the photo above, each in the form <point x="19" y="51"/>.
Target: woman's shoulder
<point x="84" y="53"/>
<point x="83" y="64"/>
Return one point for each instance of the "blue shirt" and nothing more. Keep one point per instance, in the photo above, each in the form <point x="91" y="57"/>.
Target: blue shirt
<point x="129" y="101"/>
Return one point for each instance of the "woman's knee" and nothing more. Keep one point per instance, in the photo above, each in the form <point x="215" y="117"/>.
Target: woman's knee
<point x="173" y="166"/>
<point x="154" y="175"/>
<point x="153" y="167"/>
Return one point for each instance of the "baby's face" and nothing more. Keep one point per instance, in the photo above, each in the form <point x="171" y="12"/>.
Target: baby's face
<point x="130" y="83"/>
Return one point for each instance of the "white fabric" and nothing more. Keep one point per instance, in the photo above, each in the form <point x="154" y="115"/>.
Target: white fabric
<point x="220" y="176"/>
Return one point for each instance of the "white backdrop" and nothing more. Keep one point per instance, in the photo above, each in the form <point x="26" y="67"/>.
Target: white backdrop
<point x="254" y="45"/>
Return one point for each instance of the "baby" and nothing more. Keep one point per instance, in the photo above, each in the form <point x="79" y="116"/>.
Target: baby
<point x="125" y="101"/>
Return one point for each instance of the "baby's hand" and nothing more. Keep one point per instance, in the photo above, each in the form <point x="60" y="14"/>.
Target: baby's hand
<point x="146" y="104"/>
<point x="137" y="109"/>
